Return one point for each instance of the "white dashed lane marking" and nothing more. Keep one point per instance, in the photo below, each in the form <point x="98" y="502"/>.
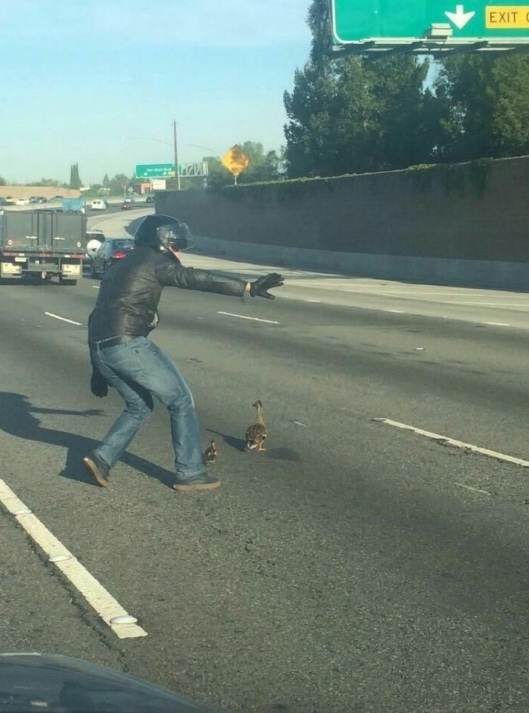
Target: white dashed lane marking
<point x="62" y="319"/>
<point x="112" y="613"/>
<point x="243" y="316"/>
<point x="474" y="490"/>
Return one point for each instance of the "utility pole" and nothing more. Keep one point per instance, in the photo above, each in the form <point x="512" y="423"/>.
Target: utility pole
<point x="175" y="145"/>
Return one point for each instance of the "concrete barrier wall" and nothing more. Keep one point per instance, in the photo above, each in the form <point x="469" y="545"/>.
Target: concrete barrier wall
<point x="475" y="212"/>
<point x="434" y="271"/>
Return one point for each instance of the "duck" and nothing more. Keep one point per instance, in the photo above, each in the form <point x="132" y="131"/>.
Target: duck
<point x="257" y="432"/>
<point x="211" y="452"/>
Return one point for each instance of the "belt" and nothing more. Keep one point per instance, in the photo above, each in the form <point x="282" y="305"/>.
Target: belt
<point x="111" y="342"/>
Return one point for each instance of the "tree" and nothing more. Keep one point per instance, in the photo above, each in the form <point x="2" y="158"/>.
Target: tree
<point x="354" y="114"/>
<point x="3" y="181"/>
<point x="119" y="184"/>
<point x="47" y="182"/>
<point x="489" y="106"/>
<point x="75" y="179"/>
<point x="262" y="167"/>
<point x="218" y="174"/>
<point x="309" y="134"/>
<point x="396" y="108"/>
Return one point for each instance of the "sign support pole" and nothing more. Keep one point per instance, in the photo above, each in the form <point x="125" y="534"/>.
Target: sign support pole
<point x="175" y="146"/>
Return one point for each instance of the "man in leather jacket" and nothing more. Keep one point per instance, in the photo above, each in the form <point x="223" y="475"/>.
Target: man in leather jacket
<point x="124" y="357"/>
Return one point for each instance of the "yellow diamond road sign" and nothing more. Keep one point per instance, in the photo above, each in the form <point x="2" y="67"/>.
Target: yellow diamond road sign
<point x="235" y="160"/>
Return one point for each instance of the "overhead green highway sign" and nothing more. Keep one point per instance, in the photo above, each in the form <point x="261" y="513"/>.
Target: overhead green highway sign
<point x="155" y="170"/>
<point x="429" y="26"/>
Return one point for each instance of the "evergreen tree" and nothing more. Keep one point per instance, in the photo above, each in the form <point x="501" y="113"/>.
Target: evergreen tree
<point x="262" y="167"/>
<point x="488" y="99"/>
<point x="75" y="180"/>
<point x="354" y="114"/>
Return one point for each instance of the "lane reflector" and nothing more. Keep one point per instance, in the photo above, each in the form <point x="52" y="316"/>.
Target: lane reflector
<point x="112" y="613"/>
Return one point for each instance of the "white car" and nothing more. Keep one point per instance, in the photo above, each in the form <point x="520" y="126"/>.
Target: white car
<point x="22" y="201"/>
<point x="98" y="204"/>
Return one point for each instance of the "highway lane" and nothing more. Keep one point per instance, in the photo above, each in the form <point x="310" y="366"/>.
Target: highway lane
<point x="350" y="566"/>
<point x="452" y="360"/>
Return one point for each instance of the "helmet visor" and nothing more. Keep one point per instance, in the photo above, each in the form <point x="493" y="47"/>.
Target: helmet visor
<point x="174" y="236"/>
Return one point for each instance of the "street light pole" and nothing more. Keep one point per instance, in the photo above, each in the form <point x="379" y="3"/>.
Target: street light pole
<point x="175" y="146"/>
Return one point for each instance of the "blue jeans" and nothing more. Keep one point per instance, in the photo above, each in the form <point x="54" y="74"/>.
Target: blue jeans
<point x="139" y="370"/>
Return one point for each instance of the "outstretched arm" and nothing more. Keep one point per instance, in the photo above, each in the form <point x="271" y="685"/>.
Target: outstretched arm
<point x="170" y="273"/>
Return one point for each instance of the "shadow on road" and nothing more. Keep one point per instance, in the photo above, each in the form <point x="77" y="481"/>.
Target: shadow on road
<point x="17" y="418"/>
<point x="237" y="443"/>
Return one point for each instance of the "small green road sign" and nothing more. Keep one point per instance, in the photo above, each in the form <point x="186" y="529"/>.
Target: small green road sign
<point x="154" y="170"/>
<point x="429" y="24"/>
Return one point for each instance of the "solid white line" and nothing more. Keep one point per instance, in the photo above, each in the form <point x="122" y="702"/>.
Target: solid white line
<point x="63" y="319"/>
<point x="493" y="304"/>
<point x="497" y="324"/>
<point x="243" y="316"/>
<point x="393" y="311"/>
<point x="474" y="490"/>
<point x="95" y="594"/>
<point x="445" y="440"/>
<point x="398" y="293"/>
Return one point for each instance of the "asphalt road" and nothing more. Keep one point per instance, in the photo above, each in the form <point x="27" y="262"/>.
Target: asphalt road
<point x="354" y="566"/>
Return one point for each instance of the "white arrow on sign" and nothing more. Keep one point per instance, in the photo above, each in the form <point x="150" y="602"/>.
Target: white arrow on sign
<point x="460" y="17"/>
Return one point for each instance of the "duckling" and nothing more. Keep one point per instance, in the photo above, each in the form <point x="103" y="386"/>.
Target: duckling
<point x="257" y="432"/>
<point x="211" y="452"/>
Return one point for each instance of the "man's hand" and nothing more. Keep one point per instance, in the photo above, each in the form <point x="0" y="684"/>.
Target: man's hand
<point x="260" y="287"/>
<point x="98" y="384"/>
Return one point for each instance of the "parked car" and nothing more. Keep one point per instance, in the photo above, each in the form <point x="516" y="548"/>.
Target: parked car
<point x="3" y="201"/>
<point x="111" y="250"/>
<point x="10" y="200"/>
<point x="22" y="201"/>
<point x="98" y="204"/>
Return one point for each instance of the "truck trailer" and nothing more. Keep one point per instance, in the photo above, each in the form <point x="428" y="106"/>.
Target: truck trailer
<point x="42" y="244"/>
<point x="73" y="205"/>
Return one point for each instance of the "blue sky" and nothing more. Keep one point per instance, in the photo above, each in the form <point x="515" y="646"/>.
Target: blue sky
<point x="100" y="82"/>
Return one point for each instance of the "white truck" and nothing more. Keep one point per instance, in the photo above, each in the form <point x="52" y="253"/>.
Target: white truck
<point x="42" y="244"/>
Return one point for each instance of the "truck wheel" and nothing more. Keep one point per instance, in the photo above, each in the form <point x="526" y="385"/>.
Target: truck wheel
<point x="66" y="281"/>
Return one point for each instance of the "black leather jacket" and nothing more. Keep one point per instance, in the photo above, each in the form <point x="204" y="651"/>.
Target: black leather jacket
<point x="130" y="292"/>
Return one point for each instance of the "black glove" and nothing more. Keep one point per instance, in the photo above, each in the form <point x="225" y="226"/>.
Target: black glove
<point x="98" y="383"/>
<point x="260" y="287"/>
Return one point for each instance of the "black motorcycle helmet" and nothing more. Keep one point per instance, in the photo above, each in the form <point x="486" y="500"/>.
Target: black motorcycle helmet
<point x="159" y="232"/>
